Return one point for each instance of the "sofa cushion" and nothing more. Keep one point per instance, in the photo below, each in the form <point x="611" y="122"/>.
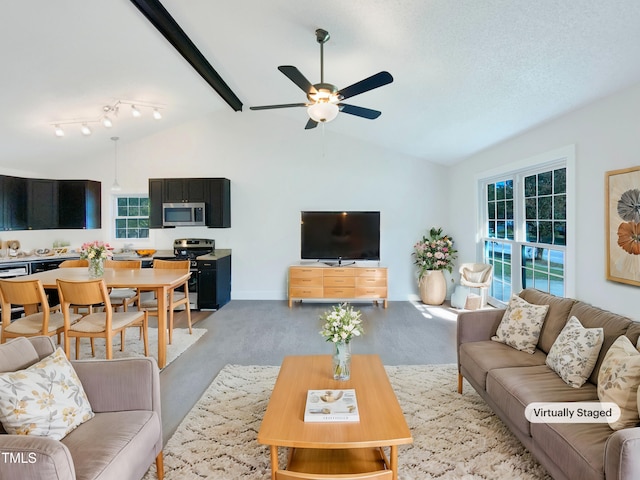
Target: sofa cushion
<point x="131" y="440"/>
<point x="478" y="358"/>
<point x="46" y="399"/>
<point x="575" y="351"/>
<point x="613" y="325"/>
<point x="618" y="381"/>
<point x="521" y="324"/>
<point x="17" y="354"/>
<point x="512" y="389"/>
<point x="557" y="315"/>
<point x="574" y="447"/>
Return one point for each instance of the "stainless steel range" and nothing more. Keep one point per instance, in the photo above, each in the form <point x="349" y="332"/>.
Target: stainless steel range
<point x="191" y="248"/>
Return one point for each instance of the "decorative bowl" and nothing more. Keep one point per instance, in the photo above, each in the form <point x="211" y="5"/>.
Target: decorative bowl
<point x="146" y="252"/>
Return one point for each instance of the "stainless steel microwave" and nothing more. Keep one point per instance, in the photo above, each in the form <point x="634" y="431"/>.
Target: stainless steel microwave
<point x="183" y="214"/>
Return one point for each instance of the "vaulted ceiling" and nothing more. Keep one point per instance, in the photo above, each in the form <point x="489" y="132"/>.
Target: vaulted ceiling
<point x="467" y="74"/>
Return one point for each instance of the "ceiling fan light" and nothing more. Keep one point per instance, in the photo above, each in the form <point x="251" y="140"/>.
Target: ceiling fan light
<point x="323" y="112"/>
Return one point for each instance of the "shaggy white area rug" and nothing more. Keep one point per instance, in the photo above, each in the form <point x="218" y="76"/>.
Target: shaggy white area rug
<point x="133" y="346"/>
<point x="454" y="436"/>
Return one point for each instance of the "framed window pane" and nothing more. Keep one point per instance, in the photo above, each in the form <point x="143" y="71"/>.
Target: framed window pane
<point x="132" y="217"/>
<point x="560" y="180"/>
<point x="545" y="183"/>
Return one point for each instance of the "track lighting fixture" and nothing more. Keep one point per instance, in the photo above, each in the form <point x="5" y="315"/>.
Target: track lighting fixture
<point x="108" y="117"/>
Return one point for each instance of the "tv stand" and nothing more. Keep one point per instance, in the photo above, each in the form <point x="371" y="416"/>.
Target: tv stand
<point x="338" y="263"/>
<point x="339" y="282"/>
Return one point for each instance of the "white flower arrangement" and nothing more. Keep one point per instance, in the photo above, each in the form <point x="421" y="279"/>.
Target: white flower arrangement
<point x="341" y="324"/>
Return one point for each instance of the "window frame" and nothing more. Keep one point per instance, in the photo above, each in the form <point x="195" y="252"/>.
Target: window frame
<point x="114" y="217"/>
<point x="560" y="158"/>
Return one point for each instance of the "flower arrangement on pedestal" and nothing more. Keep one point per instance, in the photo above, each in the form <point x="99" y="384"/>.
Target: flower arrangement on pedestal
<point x="340" y="325"/>
<point x="434" y="254"/>
<point x="96" y="253"/>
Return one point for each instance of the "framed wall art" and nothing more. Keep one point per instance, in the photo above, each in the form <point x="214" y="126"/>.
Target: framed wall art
<point x="622" y="192"/>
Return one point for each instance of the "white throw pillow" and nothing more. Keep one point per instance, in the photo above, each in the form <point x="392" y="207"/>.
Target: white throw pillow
<point x="575" y="352"/>
<point x="618" y="381"/>
<point x="46" y="399"/>
<point x="521" y="325"/>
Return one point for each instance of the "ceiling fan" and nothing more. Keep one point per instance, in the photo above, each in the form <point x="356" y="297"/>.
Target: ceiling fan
<point x="325" y="100"/>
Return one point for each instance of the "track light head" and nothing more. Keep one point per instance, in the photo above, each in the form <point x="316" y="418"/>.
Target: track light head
<point x="135" y="112"/>
<point x="106" y="121"/>
<point x="59" y="131"/>
<point x="156" y="114"/>
<point x="86" y="131"/>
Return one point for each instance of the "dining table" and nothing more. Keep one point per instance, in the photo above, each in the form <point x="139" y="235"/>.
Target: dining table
<point x="160" y="281"/>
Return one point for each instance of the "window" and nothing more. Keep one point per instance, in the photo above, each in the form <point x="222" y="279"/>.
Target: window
<point x="132" y="217"/>
<point x="524" y="229"/>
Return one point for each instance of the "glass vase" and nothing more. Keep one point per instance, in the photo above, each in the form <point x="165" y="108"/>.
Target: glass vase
<point x="341" y="361"/>
<point x="96" y="267"/>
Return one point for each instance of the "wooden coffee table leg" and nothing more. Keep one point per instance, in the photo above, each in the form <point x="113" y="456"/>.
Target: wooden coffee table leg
<point x="274" y="461"/>
<point x="393" y="458"/>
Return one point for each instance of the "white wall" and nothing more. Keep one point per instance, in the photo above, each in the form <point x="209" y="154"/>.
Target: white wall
<point x="276" y="170"/>
<point x="606" y="135"/>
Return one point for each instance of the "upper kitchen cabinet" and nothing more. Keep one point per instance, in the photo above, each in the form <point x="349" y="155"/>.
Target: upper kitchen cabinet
<point x="13" y="211"/>
<point x="42" y="204"/>
<point x="215" y="193"/>
<point x="185" y="190"/>
<point x="218" y="211"/>
<point x="156" y="197"/>
<point x="79" y="204"/>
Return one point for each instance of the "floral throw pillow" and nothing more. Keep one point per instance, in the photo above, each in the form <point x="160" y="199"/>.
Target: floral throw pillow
<point x="46" y="399"/>
<point x="521" y="324"/>
<point x="575" y="352"/>
<point x="618" y="381"/>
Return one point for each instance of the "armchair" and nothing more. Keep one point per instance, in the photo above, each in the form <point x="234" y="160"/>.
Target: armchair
<point x="120" y="442"/>
<point x="477" y="275"/>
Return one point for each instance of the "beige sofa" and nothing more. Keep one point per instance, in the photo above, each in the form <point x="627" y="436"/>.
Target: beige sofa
<point x="509" y="380"/>
<point x="120" y="442"/>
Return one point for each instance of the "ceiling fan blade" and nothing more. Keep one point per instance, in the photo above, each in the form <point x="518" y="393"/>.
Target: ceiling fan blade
<point x="298" y="78"/>
<point x="359" y="111"/>
<point x="311" y="124"/>
<point x="374" y="81"/>
<point x="284" y="105"/>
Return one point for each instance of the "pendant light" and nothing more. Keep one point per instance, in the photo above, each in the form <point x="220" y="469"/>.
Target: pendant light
<point x="116" y="186"/>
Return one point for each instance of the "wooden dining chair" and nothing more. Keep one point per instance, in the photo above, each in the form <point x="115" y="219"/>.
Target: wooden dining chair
<point x="82" y="262"/>
<point x="105" y="324"/>
<point x="379" y="475"/>
<point x="39" y="318"/>
<point x="123" y="297"/>
<point x="178" y="296"/>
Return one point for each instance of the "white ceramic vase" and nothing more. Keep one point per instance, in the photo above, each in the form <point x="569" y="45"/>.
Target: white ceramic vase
<point x="433" y="287"/>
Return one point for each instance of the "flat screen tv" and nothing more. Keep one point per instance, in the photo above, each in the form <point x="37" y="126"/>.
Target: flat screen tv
<point x="340" y="236"/>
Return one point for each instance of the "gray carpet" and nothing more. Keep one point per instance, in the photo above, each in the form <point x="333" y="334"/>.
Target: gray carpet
<point x="454" y="436"/>
<point x="254" y="332"/>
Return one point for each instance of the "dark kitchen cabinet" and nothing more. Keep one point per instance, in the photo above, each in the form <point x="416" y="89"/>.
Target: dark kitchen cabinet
<point x="183" y="190"/>
<point x="42" y="204"/>
<point x="156" y="196"/>
<point x="14" y="203"/>
<point x="218" y="210"/>
<point x="214" y="283"/>
<point x="79" y="204"/>
<point x="214" y="192"/>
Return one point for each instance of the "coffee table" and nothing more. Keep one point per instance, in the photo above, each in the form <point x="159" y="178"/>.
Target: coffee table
<point x="345" y="447"/>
